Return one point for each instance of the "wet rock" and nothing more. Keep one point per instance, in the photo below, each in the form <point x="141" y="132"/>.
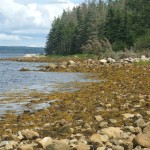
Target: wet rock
<point x="114" y="132"/>
<point x="29" y="134"/>
<point x="143" y="140"/>
<point x="43" y="143"/>
<point x="99" y="118"/>
<point x="58" y="145"/>
<point x="24" y="69"/>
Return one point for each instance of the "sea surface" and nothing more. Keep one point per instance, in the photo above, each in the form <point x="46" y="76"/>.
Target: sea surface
<point x="13" y="81"/>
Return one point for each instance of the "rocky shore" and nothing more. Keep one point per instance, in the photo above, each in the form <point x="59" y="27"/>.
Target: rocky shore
<point x="110" y="115"/>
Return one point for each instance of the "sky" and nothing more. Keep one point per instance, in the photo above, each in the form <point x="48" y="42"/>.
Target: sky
<point x="27" y="22"/>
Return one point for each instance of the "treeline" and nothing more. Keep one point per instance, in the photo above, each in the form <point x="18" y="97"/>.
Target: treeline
<point x="96" y="27"/>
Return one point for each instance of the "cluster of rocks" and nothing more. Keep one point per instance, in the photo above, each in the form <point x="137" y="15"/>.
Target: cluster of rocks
<point x="135" y="136"/>
<point x="93" y="63"/>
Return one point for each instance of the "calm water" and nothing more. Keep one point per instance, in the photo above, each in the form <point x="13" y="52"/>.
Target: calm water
<point x="14" y="81"/>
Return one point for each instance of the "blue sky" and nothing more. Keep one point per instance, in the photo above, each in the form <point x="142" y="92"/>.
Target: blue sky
<point x="27" y="22"/>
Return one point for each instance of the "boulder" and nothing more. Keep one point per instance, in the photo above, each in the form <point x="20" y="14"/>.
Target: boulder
<point x="143" y="140"/>
<point x="29" y="134"/>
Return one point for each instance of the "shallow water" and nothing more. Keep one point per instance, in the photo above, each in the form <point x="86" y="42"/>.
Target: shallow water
<point x="16" y="86"/>
<point x="13" y="82"/>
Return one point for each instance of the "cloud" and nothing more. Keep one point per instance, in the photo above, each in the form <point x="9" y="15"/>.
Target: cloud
<point x="23" y="19"/>
<point x="9" y="37"/>
<point x="13" y="37"/>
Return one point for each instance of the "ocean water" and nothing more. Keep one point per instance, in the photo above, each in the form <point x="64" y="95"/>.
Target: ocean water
<point x="13" y="81"/>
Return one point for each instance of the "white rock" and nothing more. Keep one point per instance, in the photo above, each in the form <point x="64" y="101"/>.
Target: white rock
<point x="103" y="61"/>
<point x="110" y="60"/>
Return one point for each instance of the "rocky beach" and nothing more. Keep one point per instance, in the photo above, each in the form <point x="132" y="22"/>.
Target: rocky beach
<point x="113" y="114"/>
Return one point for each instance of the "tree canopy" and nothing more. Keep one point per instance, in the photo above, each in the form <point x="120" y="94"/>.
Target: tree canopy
<point x="94" y="27"/>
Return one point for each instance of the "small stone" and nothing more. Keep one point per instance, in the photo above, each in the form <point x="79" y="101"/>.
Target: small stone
<point x="99" y="118"/>
<point x="146" y="129"/>
<point x="140" y="123"/>
<point x="128" y="115"/>
<point x="113" y="121"/>
<point x="3" y="143"/>
<point x="118" y="147"/>
<point x="112" y="132"/>
<point x="82" y="146"/>
<point x="43" y="143"/>
<point x="101" y="148"/>
<point x="58" y="145"/>
<point x="86" y="125"/>
<point x="103" y="124"/>
<point x="29" y="134"/>
<point x="25" y="147"/>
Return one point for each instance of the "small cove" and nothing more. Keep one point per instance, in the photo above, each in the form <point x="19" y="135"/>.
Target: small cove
<point x="15" y="85"/>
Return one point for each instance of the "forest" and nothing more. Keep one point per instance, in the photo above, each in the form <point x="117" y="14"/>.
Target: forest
<point x="96" y="27"/>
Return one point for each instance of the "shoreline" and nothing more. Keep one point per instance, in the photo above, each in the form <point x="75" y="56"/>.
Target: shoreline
<point x="121" y="103"/>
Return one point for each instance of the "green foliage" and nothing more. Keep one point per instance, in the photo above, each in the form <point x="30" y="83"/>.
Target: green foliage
<point x="84" y="29"/>
<point x="143" y="42"/>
